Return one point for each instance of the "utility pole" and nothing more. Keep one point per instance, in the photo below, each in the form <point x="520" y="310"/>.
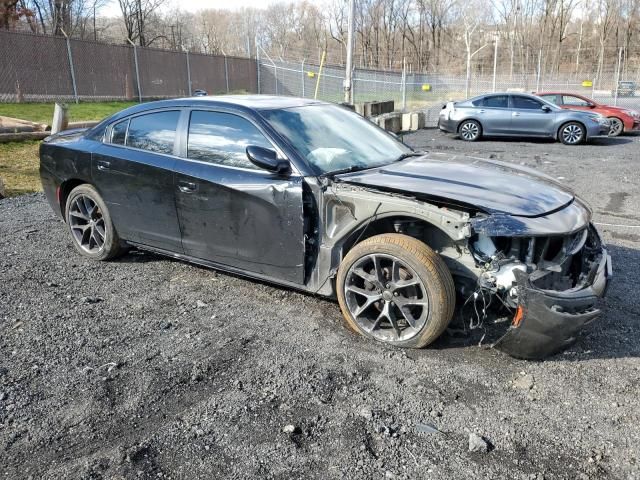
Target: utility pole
<point x="348" y="80"/>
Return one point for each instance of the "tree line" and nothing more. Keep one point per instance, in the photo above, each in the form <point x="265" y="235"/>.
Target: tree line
<point x="564" y="37"/>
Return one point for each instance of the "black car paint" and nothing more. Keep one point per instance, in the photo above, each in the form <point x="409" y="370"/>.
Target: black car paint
<point x="490" y="186"/>
<point x="258" y="224"/>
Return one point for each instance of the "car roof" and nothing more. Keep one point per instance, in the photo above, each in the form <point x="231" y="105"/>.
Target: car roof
<point x="242" y="102"/>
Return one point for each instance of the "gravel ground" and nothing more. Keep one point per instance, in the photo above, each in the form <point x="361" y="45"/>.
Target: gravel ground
<point x="151" y="368"/>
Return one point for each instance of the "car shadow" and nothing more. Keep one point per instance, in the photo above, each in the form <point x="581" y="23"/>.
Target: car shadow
<point x="598" y="141"/>
<point x="615" y="334"/>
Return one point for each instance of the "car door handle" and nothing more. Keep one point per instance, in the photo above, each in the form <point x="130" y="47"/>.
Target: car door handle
<point x="481" y="111"/>
<point x="187" y="187"/>
<point x="104" y="166"/>
<point x="516" y="114"/>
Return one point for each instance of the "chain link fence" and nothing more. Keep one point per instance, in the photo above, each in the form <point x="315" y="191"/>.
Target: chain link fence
<point x="39" y="68"/>
<point x="423" y="91"/>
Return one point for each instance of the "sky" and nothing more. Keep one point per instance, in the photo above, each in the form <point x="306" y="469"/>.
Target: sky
<point x="112" y="9"/>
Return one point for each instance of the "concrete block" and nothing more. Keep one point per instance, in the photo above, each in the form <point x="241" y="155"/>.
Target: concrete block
<point x="360" y="109"/>
<point x="417" y="121"/>
<point x="387" y="106"/>
<point x="391" y="122"/>
<point x="406" y="122"/>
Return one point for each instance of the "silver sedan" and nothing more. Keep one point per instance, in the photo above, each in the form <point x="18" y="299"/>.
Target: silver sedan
<point x="519" y="115"/>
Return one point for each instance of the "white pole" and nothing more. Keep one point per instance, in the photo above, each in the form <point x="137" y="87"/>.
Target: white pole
<point x="615" y="97"/>
<point x="348" y="80"/>
<point x="495" y="61"/>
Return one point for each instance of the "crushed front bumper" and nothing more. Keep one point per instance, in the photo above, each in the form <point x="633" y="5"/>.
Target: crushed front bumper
<point x="547" y="321"/>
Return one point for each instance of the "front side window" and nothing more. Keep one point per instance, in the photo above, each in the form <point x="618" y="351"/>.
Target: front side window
<point x="496" y="101"/>
<point x="572" y="101"/>
<point x="333" y="138"/>
<point x="223" y="138"/>
<point x="526" y="103"/>
<point x="155" y="132"/>
<point x="119" y="132"/>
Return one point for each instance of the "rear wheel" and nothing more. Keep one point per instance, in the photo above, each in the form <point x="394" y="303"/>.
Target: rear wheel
<point x="617" y="127"/>
<point x="395" y="289"/>
<point x="572" y="133"/>
<point x="90" y="224"/>
<point x="470" y="131"/>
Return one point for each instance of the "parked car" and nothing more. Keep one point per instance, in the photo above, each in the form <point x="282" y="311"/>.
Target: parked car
<point x="625" y="89"/>
<point x="314" y="197"/>
<point x="621" y="119"/>
<point x="519" y="115"/>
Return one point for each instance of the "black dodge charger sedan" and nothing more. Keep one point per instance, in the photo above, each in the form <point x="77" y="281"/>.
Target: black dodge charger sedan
<point x="314" y="197"/>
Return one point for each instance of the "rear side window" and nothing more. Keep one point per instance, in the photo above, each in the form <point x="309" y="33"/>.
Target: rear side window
<point x="155" y="132"/>
<point x="223" y="138"/>
<point x="119" y="132"/>
<point x="496" y="101"/>
<point x="526" y="103"/>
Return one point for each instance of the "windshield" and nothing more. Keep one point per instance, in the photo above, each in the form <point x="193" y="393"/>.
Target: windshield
<point x="333" y="138"/>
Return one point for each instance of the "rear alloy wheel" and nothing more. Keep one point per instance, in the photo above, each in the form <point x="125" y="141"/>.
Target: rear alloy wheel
<point x="395" y="289"/>
<point x="617" y="127"/>
<point x="572" y="133"/>
<point x="470" y="130"/>
<point x="90" y="225"/>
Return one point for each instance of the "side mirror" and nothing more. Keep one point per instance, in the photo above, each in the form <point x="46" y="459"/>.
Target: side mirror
<point x="267" y="159"/>
<point x="591" y="105"/>
<point x="546" y="108"/>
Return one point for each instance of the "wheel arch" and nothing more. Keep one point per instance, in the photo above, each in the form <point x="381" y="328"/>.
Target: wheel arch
<point x="65" y="189"/>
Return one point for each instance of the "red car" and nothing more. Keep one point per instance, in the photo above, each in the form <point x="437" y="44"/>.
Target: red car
<point x="622" y="119"/>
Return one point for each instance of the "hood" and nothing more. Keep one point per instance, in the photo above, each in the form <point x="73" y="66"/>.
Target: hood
<point x="489" y="185"/>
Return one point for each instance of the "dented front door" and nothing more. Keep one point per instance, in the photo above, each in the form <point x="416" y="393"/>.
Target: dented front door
<point x="232" y="212"/>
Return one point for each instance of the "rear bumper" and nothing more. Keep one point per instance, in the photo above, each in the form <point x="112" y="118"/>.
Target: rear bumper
<point x="547" y="321"/>
<point x="446" y="125"/>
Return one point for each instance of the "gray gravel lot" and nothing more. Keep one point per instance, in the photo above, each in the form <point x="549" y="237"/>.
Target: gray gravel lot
<point x="151" y="368"/>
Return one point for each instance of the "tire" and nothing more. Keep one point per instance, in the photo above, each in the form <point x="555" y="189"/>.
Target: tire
<point x="384" y="271"/>
<point x="90" y="226"/>
<point x="572" y="133"/>
<point x="617" y="127"/>
<point x="470" y="131"/>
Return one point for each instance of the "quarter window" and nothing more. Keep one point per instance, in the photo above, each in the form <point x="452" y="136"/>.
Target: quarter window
<point x="155" y="132"/>
<point x="223" y="138"/>
<point x="119" y="132"/>
<point x="496" y="101"/>
<point x="526" y="103"/>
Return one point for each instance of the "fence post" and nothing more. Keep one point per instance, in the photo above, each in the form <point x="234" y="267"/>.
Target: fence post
<point x="404" y="84"/>
<point x="135" y="60"/>
<point x="258" y="63"/>
<point x="275" y="74"/>
<point x="188" y="73"/>
<point x="617" y="80"/>
<point x="302" y="76"/>
<point x="226" y="72"/>
<point x="73" y="73"/>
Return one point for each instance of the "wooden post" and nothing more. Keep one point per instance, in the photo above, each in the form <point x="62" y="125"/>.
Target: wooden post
<point x="60" y="118"/>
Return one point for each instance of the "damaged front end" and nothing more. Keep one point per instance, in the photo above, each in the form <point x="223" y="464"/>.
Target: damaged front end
<point x="552" y="281"/>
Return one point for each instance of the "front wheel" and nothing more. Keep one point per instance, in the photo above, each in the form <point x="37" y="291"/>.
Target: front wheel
<point x="617" y="127"/>
<point x="395" y="289"/>
<point x="572" y="133"/>
<point x="90" y="224"/>
<point x="470" y="131"/>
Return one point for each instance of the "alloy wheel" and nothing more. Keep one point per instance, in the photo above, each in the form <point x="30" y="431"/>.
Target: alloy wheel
<point x="87" y="224"/>
<point x="616" y="127"/>
<point x="469" y="131"/>
<point x="386" y="298"/>
<point x="572" y="134"/>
